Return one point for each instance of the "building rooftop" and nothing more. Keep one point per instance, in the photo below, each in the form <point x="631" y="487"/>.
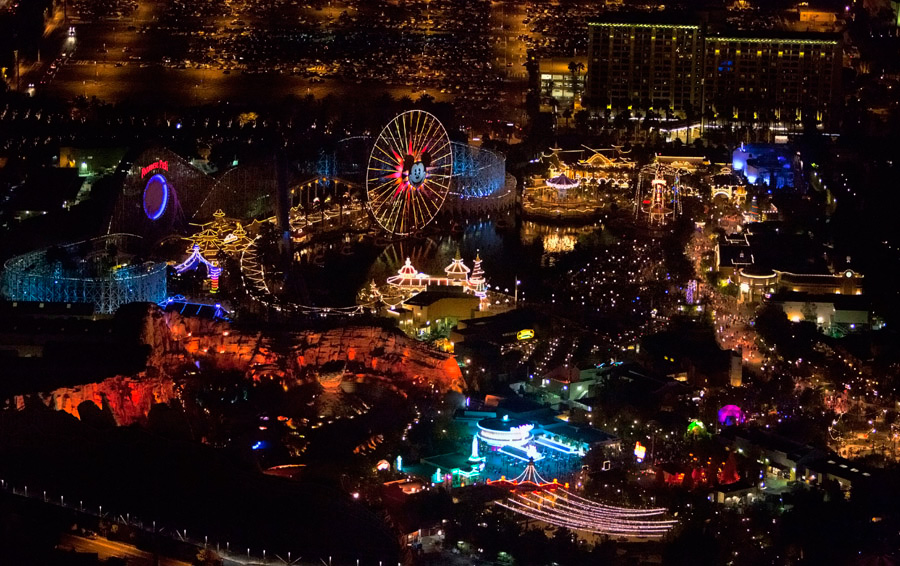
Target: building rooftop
<point x="782" y="36"/>
<point x="735" y="255"/>
<point x="582" y="433"/>
<point x="451" y="461"/>
<point x="645" y="19"/>
<point x="840" y="302"/>
<point x="427" y="298"/>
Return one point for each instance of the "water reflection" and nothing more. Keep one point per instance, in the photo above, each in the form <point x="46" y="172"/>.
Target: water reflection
<point x="334" y="273"/>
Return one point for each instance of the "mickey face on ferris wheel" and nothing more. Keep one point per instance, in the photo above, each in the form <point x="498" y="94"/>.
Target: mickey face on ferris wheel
<point x="415" y="171"/>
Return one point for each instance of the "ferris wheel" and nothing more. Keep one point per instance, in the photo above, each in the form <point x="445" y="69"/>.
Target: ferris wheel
<point x="409" y="172"/>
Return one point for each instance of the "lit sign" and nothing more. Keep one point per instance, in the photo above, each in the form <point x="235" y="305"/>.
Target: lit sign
<point x="525" y="334"/>
<point x="640" y="451"/>
<point x="156" y="196"/>
<point x="164" y="165"/>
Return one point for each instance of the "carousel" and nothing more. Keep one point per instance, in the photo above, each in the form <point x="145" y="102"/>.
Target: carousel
<point x="578" y="183"/>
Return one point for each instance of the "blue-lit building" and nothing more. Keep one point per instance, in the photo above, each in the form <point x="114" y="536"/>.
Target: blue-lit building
<point x="774" y="166"/>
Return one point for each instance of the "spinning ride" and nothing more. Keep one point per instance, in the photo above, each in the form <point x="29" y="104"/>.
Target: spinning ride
<point x="658" y="195"/>
<point x="409" y="172"/>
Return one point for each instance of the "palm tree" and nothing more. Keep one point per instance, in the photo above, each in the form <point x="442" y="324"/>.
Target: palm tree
<point x="575" y="68"/>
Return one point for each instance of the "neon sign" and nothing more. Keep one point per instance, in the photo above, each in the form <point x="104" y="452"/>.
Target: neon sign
<point x="164" y="165"/>
<point x="156" y="196"/>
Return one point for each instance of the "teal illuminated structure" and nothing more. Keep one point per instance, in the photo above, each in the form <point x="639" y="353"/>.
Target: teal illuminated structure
<point x="95" y="271"/>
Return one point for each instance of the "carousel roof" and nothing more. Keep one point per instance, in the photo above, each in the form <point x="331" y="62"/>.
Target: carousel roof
<point x="562" y="181"/>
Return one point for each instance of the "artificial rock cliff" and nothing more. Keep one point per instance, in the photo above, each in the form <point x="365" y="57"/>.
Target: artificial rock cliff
<point x="175" y="341"/>
<point x="128" y="398"/>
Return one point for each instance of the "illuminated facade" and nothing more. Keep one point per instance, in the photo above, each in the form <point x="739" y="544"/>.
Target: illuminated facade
<point x="846" y="282"/>
<point x="558" y="81"/>
<point x="636" y="62"/>
<point x="644" y="64"/>
<point x="773" y="77"/>
<point x="499" y="433"/>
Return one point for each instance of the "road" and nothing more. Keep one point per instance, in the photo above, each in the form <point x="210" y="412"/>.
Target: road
<point x="107" y="549"/>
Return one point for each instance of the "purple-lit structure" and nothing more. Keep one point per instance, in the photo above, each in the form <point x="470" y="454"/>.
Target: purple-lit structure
<point x="690" y="292"/>
<point x="731" y="415"/>
<point x="193" y="262"/>
<point x="156" y="196"/>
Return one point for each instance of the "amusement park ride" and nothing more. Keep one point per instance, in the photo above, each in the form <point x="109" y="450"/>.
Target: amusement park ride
<point x="658" y="195"/>
<point x="407" y="181"/>
<point x="409" y="173"/>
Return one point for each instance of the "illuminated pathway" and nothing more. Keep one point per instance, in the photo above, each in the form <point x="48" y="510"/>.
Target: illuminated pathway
<point x="538" y="499"/>
<point x="565" y="509"/>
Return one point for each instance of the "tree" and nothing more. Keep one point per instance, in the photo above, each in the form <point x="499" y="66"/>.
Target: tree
<point x="575" y="68"/>
<point x="622" y="119"/>
<point x="581" y="119"/>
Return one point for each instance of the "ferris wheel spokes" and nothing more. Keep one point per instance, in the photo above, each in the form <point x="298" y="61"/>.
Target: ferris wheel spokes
<point x="409" y="172"/>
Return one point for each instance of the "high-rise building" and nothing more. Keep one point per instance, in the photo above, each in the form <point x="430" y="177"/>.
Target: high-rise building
<point x="635" y="62"/>
<point x="772" y="77"/>
<point x="644" y="63"/>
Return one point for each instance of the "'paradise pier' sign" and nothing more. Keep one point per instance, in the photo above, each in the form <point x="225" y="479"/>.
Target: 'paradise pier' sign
<point x="164" y="165"/>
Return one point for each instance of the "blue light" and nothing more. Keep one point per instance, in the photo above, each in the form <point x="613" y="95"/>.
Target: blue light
<point x="157" y="179"/>
<point x="259" y="445"/>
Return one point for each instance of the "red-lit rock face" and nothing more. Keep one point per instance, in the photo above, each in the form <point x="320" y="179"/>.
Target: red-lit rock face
<point x="176" y="341"/>
<point x="380" y="351"/>
<point x="129" y="398"/>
